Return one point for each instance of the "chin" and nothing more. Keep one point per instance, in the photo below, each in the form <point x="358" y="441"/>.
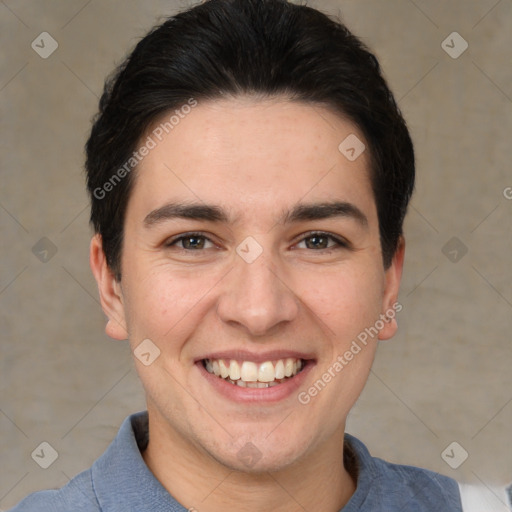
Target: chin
<point x="256" y="454"/>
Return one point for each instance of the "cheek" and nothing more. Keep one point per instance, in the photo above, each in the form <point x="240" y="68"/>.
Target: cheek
<point x="164" y="303"/>
<point x="346" y="300"/>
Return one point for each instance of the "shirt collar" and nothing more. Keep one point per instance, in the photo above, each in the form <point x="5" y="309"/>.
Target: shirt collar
<point x="358" y="460"/>
<point x="122" y="481"/>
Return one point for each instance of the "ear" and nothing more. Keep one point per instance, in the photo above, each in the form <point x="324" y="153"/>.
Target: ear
<point x="111" y="296"/>
<point x="390" y="304"/>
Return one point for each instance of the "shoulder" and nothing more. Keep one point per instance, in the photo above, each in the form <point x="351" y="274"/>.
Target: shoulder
<point x="76" y="496"/>
<point x="114" y="482"/>
<point x="421" y="485"/>
<point x="387" y="486"/>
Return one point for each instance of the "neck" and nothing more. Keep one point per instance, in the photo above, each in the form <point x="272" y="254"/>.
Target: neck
<point x="199" y="482"/>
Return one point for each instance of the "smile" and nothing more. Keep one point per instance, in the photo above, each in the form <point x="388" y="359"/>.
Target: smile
<point x="248" y="374"/>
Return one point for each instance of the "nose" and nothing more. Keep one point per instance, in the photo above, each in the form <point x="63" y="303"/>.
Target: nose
<point x="256" y="298"/>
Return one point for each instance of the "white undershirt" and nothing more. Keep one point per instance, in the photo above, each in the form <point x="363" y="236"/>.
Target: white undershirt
<point x="482" y="499"/>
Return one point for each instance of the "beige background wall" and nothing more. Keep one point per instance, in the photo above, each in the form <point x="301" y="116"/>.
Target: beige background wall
<point x="445" y="377"/>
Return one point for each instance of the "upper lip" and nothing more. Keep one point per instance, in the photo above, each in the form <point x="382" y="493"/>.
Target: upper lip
<point x="256" y="357"/>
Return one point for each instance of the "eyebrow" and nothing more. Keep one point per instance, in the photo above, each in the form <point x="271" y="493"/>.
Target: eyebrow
<point x="186" y="211"/>
<point x="320" y="211"/>
<point x="213" y="213"/>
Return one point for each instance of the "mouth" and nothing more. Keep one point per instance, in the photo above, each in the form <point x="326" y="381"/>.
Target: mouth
<point x="249" y="374"/>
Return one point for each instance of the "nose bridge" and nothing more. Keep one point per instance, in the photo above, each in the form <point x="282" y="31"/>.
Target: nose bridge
<point x="255" y="297"/>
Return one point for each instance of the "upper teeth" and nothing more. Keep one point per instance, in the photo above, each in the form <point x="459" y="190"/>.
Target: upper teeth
<point x="248" y="371"/>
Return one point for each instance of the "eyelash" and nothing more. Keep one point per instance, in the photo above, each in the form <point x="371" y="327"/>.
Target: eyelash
<point x="340" y="243"/>
<point x="174" y="241"/>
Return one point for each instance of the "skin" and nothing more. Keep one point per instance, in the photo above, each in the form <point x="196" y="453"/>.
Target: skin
<point x="255" y="159"/>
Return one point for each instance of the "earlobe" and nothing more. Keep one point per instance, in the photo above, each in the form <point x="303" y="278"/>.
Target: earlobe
<point x="390" y="304"/>
<point x="110" y="292"/>
<point x="389" y="330"/>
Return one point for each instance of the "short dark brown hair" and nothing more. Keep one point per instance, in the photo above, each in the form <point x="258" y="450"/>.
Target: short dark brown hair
<point x="235" y="47"/>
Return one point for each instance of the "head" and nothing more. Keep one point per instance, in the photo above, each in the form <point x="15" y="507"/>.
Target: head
<point x="249" y="173"/>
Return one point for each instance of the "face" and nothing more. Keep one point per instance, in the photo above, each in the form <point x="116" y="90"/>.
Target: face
<point x="252" y="262"/>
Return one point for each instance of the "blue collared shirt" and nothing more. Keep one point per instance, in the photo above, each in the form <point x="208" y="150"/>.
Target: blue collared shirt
<point x="120" y="481"/>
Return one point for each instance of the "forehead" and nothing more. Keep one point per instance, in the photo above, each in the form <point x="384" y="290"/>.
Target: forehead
<point x="252" y="156"/>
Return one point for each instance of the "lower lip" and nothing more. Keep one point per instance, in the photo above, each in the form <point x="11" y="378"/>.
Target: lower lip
<point x="260" y="395"/>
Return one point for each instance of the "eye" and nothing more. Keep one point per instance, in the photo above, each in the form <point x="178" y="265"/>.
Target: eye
<point x="191" y="242"/>
<point x="321" y="241"/>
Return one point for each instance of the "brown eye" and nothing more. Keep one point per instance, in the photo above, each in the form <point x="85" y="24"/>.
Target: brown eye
<point x="191" y="242"/>
<point x="317" y="242"/>
<point x="322" y="241"/>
